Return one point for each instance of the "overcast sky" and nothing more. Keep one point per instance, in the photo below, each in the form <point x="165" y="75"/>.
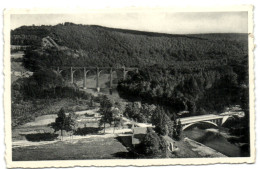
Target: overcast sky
<point x="175" y="23"/>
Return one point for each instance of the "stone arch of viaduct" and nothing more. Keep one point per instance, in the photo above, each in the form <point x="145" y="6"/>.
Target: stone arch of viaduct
<point x="98" y="70"/>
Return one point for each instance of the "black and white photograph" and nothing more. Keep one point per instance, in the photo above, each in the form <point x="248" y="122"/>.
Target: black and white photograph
<point x="129" y="85"/>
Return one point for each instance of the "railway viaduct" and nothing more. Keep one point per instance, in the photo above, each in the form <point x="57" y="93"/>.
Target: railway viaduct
<point x="98" y="70"/>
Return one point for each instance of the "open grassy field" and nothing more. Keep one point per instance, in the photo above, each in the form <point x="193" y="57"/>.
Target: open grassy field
<point x="90" y="148"/>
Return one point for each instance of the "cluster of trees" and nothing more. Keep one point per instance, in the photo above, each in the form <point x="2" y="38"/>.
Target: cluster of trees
<point x="166" y="126"/>
<point x="153" y="145"/>
<point x="139" y="112"/>
<point x="110" y="113"/>
<point x="198" y="92"/>
<point x="165" y="123"/>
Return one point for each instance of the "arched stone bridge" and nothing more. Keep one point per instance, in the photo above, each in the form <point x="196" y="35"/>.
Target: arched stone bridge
<point x="98" y="70"/>
<point x="216" y="120"/>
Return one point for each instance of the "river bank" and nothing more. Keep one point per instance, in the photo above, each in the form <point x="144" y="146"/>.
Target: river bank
<point x="203" y="150"/>
<point x="215" y="139"/>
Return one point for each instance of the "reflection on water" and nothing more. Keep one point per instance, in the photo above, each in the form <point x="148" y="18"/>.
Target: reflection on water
<point x="214" y="139"/>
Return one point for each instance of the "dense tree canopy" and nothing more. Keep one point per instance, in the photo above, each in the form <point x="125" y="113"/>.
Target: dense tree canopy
<point x="198" y="92"/>
<point x="100" y="46"/>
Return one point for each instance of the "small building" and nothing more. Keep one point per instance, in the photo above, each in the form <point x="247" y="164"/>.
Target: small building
<point x="138" y="134"/>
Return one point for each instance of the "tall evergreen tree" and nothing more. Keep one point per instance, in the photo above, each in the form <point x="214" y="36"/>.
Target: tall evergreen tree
<point x="63" y="122"/>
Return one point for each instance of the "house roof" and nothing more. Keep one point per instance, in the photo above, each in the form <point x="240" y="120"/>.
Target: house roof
<point x="139" y="130"/>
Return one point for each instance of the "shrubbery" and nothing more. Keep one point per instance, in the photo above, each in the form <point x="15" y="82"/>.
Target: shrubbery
<point x="41" y="137"/>
<point x="87" y="130"/>
<point x="152" y="145"/>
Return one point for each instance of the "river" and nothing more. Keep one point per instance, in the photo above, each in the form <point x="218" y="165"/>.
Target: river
<point x="216" y="139"/>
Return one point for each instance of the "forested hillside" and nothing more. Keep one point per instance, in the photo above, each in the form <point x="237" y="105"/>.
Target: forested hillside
<point x="96" y="45"/>
<point x="197" y="73"/>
